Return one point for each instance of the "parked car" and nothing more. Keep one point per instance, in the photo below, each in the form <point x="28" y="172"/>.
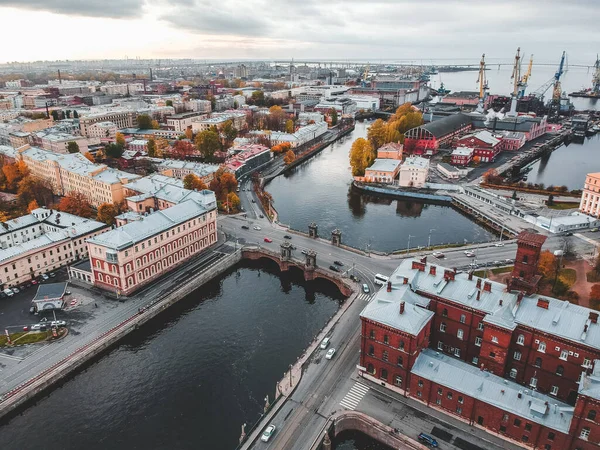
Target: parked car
<point x="16" y="290"/>
<point x="593" y="230"/>
<point x="253" y="201"/>
<point x="67" y="292"/>
<point x="365" y="288"/>
<point x="261" y="216"/>
<point x="28" y="285"/>
<point x="499" y="244"/>
<point x="3" y="295"/>
<point x="330" y="353"/>
<point x="269" y="431"/>
<point x="52" y="274"/>
<point x="469" y="253"/>
<point x="438" y="255"/>
<point x="45" y="277"/>
<point x="334" y="268"/>
<point x="34" y="282"/>
<point x="428" y="440"/>
<point x="268" y="240"/>
<point x="338" y="263"/>
<point x="256" y="227"/>
<point x="287" y="236"/>
<point x="245" y="227"/>
<point x="325" y="343"/>
<point x="8" y="292"/>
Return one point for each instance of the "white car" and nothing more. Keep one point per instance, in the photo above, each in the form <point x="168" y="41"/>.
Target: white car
<point x="269" y="431"/>
<point x="256" y="227"/>
<point x="330" y="353"/>
<point x="469" y="254"/>
<point x="499" y="244"/>
<point x="437" y="254"/>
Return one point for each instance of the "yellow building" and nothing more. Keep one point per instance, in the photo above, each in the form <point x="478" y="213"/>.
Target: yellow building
<point x="590" y="199"/>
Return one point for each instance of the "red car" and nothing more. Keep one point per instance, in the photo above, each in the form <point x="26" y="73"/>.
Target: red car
<point x="268" y="240"/>
<point x="34" y="282"/>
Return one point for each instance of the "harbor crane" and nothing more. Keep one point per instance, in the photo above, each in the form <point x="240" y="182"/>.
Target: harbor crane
<point x="365" y="75"/>
<point x="483" y="86"/>
<point x="525" y="79"/>
<point x="596" y="78"/>
<point x="516" y="77"/>
<point x="554" y="81"/>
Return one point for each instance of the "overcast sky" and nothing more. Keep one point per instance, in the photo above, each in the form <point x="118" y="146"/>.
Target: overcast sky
<point x="284" y="29"/>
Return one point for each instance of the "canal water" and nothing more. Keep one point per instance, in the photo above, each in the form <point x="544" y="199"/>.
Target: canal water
<point x="189" y="378"/>
<point x="568" y="164"/>
<point x="355" y="440"/>
<point x="320" y="190"/>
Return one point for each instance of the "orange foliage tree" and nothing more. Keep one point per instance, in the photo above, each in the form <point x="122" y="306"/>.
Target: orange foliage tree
<point x="547" y="264"/>
<point x="289" y="157"/>
<point x="595" y="292"/>
<point x="76" y="203"/>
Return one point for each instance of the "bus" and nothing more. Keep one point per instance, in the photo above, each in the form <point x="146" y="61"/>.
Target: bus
<point x="381" y="279"/>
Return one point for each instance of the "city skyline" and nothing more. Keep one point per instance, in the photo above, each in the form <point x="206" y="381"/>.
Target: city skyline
<point x="384" y="29"/>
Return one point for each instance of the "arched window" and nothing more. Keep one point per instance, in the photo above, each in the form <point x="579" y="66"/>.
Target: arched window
<point x="386" y="339"/>
<point x="538" y="362"/>
<point x="100" y="277"/>
<point x="371" y="350"/>
<point x="444" y="312"/>
<point x="521" y="339"/>
<point x="372" y="334"/>
<point x="116" y="281"/>
<point x="560" y="370"/>
<point x="592" y="414"/>
<point x="542" y="347"/>
<point x="130" y="281"/>
<point x="463" y="318"/>
<point x="371" y="369"/>
<point x="97" y="264"/>
<point x="400" y="361"/>
<point x="384" y="374"/>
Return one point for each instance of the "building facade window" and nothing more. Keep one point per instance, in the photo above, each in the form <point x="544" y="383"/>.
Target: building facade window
<point x="478" y="341"/>
<point x="457" y="352"/>
<point x="542" y="347"/>
<point x="386" y="339"/>
<point x="533" y="382"/>
<point x="564" y="354"/>
<point x="440" y="345"/>
<point x="517" y="356"/>
<point x="513" y="373"/>
<point x="585" y="432"/>
<point x="538" y="362"/>
<point x="554" y="390"/>
<point x="560" y="370"/>
<point x="592" y="414"/>
<point x="459" y="334"/>
<point x="463" y="318"/>
<point x="384" y="355"/>
<point x="443" y="327"/>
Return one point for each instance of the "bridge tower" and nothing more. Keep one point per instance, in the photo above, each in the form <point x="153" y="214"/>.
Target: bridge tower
<point x="313" y="230"/>
<point x="336" y="237"/>
<point x="286" y="256"/>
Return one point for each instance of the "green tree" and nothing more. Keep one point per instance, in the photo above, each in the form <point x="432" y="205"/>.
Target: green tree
<point x="229" y="131"/>
<point x="113" y="150"/>
<point x="169" y="103"/>
<point x="151" y="147"/>
<point x="208" y="142"/>
<point x="362" y="156"/>
<point x="55" y="115"/>
<point x="72" y="147"/>
<point x="514" y="195"/>
<point x="144" y="121"/>
<point x="550" y="201"/>
<point x="75" y="115"/>
<point x="334" y="116"/>
<point x="68" y="113"/>
<point x="258" y="98"/>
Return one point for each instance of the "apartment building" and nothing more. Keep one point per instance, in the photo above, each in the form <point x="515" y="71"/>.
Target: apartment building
<point x="501" y="357"/>
<point x="181" y="122"/>
<point x="590" y="198"/>
<point x="57" y="142"/>
<point x="102" y="130"/>
<point x="413" y="172"/>
<point x="131" y="256"/>
<point x="41" y="242"/>
<point x="121" y="118"/>
<point x="179" y="169"/>
<point x="75" y="173"/>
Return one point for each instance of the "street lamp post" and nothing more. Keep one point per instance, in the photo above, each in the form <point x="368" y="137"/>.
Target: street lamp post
<point x="429" y="239"/>
<point x="408" y="245"/>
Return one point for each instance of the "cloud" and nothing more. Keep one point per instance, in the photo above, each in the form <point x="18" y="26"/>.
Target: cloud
<point x="88" y="8"/>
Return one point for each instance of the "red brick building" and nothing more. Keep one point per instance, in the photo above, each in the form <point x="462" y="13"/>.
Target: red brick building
<point x="485" y="145"/>
<point x="427" y="139"/>
<point x="504" y="338"/>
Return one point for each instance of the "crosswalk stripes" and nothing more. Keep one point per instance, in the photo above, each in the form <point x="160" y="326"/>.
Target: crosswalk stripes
<point x="354" y="396"/>
<point x="364" y="297"/>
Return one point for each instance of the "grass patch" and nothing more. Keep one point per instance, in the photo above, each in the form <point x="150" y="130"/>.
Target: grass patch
<point x="564" y="205"/>
<point x="569" y="276"/>
<point x="25" y="337"/>
<point x="593" y="277"/>
<point x="481" y="273"/>
<point x="498" y="270"/>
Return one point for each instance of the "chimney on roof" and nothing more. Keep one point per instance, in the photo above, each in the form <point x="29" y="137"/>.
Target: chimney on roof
<point x="405" y="281"/>
<point x="478" y="295"/>
<point x="543" y="303"/>
<point x="418" y="265"/>
<point x="520" y="394"/>
<point x="470" y="275"/>
<point x="449" y="275"/>
<point x="424" y="259"/>
<point x="487" y="286"/>
<point x="389" y="286"/>
<point x="585" y="328"/>
<point x="594" y="317"/>
<point x="432" y="270"/>
<point x="519" y="297"/>
<point x="478" y="285"/>
<point x="500" y="302"/>
<point x="401" y="307"/>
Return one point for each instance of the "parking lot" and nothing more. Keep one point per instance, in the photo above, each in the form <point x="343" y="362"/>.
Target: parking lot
<point x="14" y="311"/>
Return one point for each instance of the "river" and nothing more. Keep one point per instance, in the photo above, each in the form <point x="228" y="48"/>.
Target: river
<point x="189" y="378"/>
<point x="320" y="190"/>
<point x="355" y="440"/>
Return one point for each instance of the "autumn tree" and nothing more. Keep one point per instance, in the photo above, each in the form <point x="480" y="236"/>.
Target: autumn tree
<point x="151" y="147"/>
<point x="120" y="139"/>
<point x="233" y="202"/>
<point x="189" y="134"/>
<point x="334" y="116"/>
<point x="362" y="156"/>
<point x="289" y="157"/>
<point x="144" y="121"/>
<point x="377" y="133"/>
<point x="595" y="292"/>
<point x="276" y="118"/>
<point x="161" y="145"/>
<point x="154" y="125"/>
<point x="89" y="156"/>
<point x="72" y="147"/>
<point x="229" y="131"/>
<point x="547" y="265"/>
<point x="223" y="183"/>
<point x="289" y="126"/>
<point x="107" y="213"/>
<point x="193" y="182"/>
<point x="13" y="173"/>
<point x="208" y="142"/>
<point x="32" y="205"/>
<point x="491" y="177"/>
<point x="34" y="189"/>
<point x="76" y="203"/>
<point x="182" y="149"/>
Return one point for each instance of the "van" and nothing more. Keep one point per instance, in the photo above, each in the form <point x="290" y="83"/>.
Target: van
<point x="325" y="343"/>
<point x="8" y="292"/>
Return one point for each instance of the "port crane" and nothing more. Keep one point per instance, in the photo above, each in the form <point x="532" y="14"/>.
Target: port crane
<point x="366" y="75"/>
<point x="516" y="77"/>
<point x="483" y="86"/>
<point x="596" y="78"/>
<point x="554" y="81"/>
<point x="525" y="78"/>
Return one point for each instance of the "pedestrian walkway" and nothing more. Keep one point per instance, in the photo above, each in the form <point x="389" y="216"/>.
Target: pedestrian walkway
<point x="354" y="396"/>
<point x="365" y="297"/>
